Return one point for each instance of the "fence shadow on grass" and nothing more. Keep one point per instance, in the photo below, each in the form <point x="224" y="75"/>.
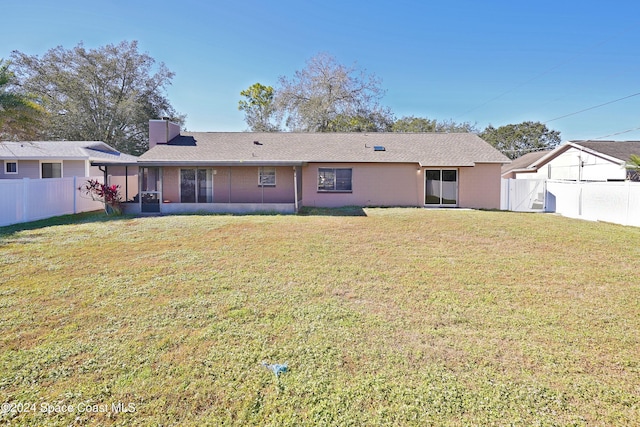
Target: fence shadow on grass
<point x="80" y="218"/>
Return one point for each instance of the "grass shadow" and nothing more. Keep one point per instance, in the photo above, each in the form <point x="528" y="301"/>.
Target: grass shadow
<point x="342" y="211"/>
<point x="80" y="218"/>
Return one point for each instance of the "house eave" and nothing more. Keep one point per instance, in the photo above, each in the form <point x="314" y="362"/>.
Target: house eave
<point x="524" y="170"/>
<point x="113" y="163"/>
<point x="43" y="158"/>
<point x="218" y="163"/>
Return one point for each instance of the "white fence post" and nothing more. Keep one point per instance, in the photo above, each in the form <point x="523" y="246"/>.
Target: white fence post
<point x="25" y="200"/>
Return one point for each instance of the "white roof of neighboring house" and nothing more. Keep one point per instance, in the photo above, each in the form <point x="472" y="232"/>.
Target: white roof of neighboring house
<point x="613" y="151"/>
<point x="95" y="151"/>
<point x="617" y="152"/>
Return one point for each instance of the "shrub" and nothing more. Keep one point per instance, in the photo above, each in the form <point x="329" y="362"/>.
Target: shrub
<point x="108" y="194"/>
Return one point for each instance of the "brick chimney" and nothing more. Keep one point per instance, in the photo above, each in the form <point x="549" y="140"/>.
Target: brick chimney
<point x="162" y="131"/>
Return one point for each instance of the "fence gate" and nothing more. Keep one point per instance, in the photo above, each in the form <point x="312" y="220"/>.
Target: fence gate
<point x="523" y="195"/>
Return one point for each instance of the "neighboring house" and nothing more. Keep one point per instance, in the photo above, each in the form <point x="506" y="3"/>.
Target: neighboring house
<point x="240" y="172"/>
<point x="579" y="161"/>
<point x="522" y="164"/>
<point x="61" y="159"/>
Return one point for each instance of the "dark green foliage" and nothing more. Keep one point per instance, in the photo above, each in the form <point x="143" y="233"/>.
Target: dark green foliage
<point x="423" y="124"/>
<point x="106" y="94"/>
<point x="259" y="109"/>
<point x="20" y="116"/>
<point x="519" y="139"/>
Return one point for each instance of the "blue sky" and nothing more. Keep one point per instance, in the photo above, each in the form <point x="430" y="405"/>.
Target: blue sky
<point x="489" y="62"/>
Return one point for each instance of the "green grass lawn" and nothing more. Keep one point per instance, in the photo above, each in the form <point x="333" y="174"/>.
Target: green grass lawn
<point x="399" y="317"/>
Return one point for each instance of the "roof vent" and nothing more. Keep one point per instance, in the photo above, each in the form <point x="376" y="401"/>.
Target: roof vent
<point x="378" y="148"/>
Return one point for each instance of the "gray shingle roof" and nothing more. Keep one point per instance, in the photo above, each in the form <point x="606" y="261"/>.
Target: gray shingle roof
<point x="621" y="150"/>
<point x="428" y="149"/>
<point x="63" y="150"/>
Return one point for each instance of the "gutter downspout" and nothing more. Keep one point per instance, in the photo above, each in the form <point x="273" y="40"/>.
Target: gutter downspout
<point x="295" y="189"/>
<point x="104" y="172"/>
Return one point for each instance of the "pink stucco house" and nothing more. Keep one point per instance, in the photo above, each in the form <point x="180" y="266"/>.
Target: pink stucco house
<point x="244" y="172"/>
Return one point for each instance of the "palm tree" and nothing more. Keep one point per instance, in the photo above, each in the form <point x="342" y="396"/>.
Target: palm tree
<point x="19" y="116"/>
<point x="633" y="166"/>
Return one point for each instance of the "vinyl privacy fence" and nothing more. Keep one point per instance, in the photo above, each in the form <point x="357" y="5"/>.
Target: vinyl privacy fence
<point x="616" y="202"/>
<point x="24" y="200"/>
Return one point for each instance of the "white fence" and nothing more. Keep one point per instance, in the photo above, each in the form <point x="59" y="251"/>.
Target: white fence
<point x="616" y="202"/>
<point x="523" y="195"/>
<point x="24" y="200"/>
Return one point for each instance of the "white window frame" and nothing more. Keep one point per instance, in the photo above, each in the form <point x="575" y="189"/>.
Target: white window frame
<point x="52" y="162"/>
<point x="267" y="176"/>
<point x="6" y="167"/>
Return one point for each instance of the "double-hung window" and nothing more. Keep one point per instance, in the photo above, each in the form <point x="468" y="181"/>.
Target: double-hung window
<point x="11" y="168"/>
<point x="267" y="177"/>
<point x="335" y="179"/>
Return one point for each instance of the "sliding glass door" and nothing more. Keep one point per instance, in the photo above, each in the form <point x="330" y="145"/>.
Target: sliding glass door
<point x="196" y="185"/>
<point x="441" y="187"/>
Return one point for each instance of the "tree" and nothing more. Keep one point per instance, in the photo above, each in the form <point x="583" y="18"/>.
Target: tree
<point x="423" y="124"/>
<point x="518" y="139"/>
<point x="633" y="168"/>
<point x="259" y="108"/>
<point x="372" y="122"/>
<point x="326" y="95"/>
<point x="106" y="94"/>
<point x="20" y="116"/>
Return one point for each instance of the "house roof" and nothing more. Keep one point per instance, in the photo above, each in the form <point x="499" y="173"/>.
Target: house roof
<point x="287" y="148"/>
<point x="523" y="163"/>
<point x="613" y="151"/>
<point x="620" y="150"/>
<point x="95" y="151"/>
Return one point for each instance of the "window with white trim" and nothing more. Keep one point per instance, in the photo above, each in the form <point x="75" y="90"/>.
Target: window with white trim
<point x="335" y="179"/>
<point x="10" y="167"/>
<point x="51" y="170"/>
<point x="267" y="177"/>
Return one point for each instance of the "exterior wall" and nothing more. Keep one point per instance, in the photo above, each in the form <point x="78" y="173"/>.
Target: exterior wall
<point x="71" y="168"/>
<point x="577" y="165"/>
<point x="235" y="185"/>
<point x="171" y="185"/>
<point x="240" y="185"/>
<point x="31" y="169"/>
<point x="95" y="171"/>
<point x="479" y="186"/>
<point x="26" y="169"/>
<point x="373" y="184"/>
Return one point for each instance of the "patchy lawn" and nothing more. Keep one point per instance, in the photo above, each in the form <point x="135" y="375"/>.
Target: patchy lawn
<point x="399" y="317"/>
